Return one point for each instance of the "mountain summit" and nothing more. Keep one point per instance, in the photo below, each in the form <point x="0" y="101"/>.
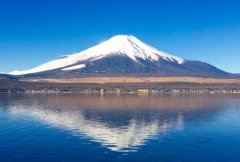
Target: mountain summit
<point x="123" y="54"/>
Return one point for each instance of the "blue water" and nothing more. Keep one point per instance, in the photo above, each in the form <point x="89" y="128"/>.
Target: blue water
<point x="120" y="128"/>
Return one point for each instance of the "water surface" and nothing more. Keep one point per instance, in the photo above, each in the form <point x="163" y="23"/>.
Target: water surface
<point x="120" y="128"/>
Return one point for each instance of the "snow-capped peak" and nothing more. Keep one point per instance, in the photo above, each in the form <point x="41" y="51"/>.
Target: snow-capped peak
<point x="126" y="45"/>
<point x="133" y="48"/>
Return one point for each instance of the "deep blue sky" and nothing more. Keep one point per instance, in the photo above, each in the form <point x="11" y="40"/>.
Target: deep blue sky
<point x="35" y="31"/>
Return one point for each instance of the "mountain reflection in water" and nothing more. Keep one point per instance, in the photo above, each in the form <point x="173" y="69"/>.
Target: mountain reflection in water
<point x="119" y="123"/>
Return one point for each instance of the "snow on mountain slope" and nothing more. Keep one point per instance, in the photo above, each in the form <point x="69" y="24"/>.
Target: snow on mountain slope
<point x="125" y="45"/>
<point x="75" y="67"/>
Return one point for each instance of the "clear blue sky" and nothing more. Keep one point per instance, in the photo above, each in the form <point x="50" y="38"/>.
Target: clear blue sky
<point x="35" y="31"/>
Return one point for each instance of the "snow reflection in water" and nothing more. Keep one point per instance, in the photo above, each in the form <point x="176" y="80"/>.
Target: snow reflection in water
<point x="124" y="138"/>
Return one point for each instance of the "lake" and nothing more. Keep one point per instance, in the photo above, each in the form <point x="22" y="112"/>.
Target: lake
<point x="168" y="128"/>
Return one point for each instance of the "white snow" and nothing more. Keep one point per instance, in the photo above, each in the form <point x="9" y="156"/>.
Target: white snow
<point x="74" y="67"/>
<point x="118" y="45"/>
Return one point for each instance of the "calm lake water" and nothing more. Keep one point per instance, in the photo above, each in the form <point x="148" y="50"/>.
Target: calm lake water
<point x="204" y="128"/>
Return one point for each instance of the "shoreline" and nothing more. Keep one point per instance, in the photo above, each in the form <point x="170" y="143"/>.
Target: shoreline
<point x="123" y="85"/>
<point x="140" y="92"/>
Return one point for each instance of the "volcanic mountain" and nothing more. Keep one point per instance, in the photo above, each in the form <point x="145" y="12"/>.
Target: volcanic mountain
<point x="123" y="55"/>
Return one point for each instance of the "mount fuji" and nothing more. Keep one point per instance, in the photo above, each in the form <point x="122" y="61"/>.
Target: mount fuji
<point x="122" y="55"/>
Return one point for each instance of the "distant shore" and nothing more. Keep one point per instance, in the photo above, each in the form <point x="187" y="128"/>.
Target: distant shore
<point x="104" y="91"/>
<point x="121" y="85"/>
<point x="132" y="79"/>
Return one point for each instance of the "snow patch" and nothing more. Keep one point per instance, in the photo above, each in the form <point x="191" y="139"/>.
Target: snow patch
<point x="16" y="72"/>
<point x="74" y="67"/>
